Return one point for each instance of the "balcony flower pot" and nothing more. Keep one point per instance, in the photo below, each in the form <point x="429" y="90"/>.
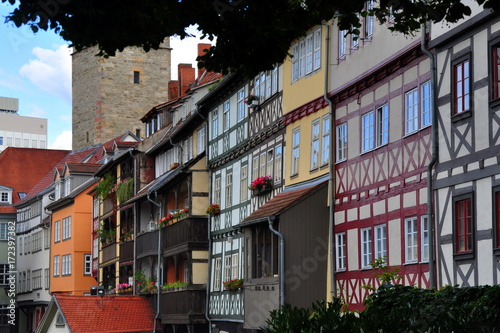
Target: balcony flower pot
<point x="234" y="284"/>
<point x="213" y="209"/>
<point x="261" y="185"/>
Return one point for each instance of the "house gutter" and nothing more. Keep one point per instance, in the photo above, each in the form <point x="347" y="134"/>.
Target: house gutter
<point x="207" y="291"/>
<point x="270" y="219"/>
<point x="158" y="270"/>
<point x="432" y="163"/>
<point x="331" y="180"/>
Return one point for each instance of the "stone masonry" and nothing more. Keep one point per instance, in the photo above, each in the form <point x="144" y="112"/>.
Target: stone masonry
<point x="109" y="98"/>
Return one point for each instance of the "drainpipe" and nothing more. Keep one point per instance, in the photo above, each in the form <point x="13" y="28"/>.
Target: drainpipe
<point x="270" y="219"/>
<point x="158" y="270"/>
<point x="136" y="217"/>
<point x="432" y="163"/>
<point x="331" y="180"/>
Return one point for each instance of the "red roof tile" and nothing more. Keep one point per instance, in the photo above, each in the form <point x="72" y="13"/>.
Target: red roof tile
<point x="83" y="167"/>
<point x="280" y="203"/>
<point x="23" y="168"/>
<point x="108" y="314"/>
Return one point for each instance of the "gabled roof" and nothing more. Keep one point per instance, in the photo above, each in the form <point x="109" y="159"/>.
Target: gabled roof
<point x="83" y="314"/>
<point x="86" y="168"/>
<point x="23" y="168"/>
<point x="280" y="203"/>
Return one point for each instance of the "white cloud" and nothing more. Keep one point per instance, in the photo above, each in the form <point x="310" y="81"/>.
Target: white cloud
<point x="36" y="111"/>
<point x="51" y="71"/>
<point x="62" y="141"/>
<point x="65" y="117"/>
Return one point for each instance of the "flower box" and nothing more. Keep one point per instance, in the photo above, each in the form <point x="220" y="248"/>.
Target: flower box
<point x="213" y="210"/>
<point x="261" y="185"/>
<point x="234" y="284"/>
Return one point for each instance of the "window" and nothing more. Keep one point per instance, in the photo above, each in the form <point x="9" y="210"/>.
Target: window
<point x="366" y="248"/>
<point x="33" y="143"/>
<point x="56" y="265"/>
<point x="425" y="238"/>
<point x="244" y="183"/>
<point x="46" y="238"/>
<point x="306" y="55"/>
<point x="66" y="264"/>
<point x="381" y="242"/>
<point x="463" y="225"/>
<point x="1" y="140"/>
<point x="411" y="240"/>
<point x="217" y="273"/>
<point x="234" y="266"/>
<point x="201" y="140"/>
<point x="57" y="231"/>
<point x="375" y="128"/>
<point x="227" y="268"/>
<point x="368" y="21"/>
<point x="5" y="197"/>
<point x="278" y="160"/>
<point x="325" y="140"/>
<point x="66" y="227"/>
<point x="47" y="278"/>
<point x="295" y="152"/>
<point x="342" y="44"/>
<point x="42" y="143"/>
<point x="27" y="244"/>
<point x="225" y="116"/>
<point x="229" y="189"/>
<point x="37" y="241"/>
<point x="241" y="105"/>
<point x="265" y="260"/>
<point x="87" y="264"/>
<point x="137" y="77"/>
<point x="217" y="191"/>
<point x="418" y="111"/>
<point x="4" y="231"/>
<point x="36" y="277"/>
<point x="270" y="162"/>
<point x="340" y="251"/>
<point x="255" y="167"/>
<point x="461" y="87"/>
<point x="341" y="142"/>
<point x="215" y="123"/>
<point x="263" y="164"/>
<point x="315" y="144"/>
<point x="4" y="274"/>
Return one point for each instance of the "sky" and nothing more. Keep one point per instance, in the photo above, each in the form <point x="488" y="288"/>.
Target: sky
<point x="36" y="69"/>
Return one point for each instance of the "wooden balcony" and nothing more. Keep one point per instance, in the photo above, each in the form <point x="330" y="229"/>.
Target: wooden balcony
<point x="183" y="306"/>
<point x="185" y="235"/>
<point x="147" y="244"/>
<point x="108" y="252"/>
<point x="127" y="250"/>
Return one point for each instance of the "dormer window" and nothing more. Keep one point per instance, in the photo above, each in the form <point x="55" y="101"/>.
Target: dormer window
<point x="58" y="190"/>
<point x="67" y="186"/>
<point x="5" y="195"/>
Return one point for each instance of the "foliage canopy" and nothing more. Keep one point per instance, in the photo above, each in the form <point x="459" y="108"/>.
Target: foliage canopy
<point x="252" y="35"/>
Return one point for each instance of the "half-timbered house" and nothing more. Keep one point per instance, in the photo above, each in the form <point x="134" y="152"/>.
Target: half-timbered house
<point x="466" y="180"/>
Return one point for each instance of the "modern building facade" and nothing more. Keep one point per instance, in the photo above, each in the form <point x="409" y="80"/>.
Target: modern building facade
<point x="20" y="131"/>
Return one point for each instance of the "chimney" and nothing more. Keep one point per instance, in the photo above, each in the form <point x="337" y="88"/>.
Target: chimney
<point x="202" y="47"/>
<point x="186" y="76"/>
<point x="173" y="89"/>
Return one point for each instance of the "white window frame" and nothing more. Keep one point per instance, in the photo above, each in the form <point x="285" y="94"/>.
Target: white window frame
<point x="411" y="240"/>
<point x="325" y="140"/>
<point x="306" y="55"/>
<point x="315" y="143"/>
<point x="217" y="273"/>
<point x="201" y="140"/>
<point x="375" y="128"/>
<point x="57" y="262"/>
<point x="4" y="226"/>
<point x="368" y="22"/>
<point x="87" y="264"/>
<point x="66" y="264"/>
<point x="411" y="111"/>
<point x="278" y="163"/>
<point x="366" y="248"/>
<point x="226" y="116"/>
<point x="294" y="167"/>
<point x="341" y="147"/>
<point x="215" y="123"/>
<point x="234" y="266"/>
<point x="244" y="183"/>
<point x="342" y="44"/>
<point x="66" y="228"/>
<point x="217" y="189"/>
<point x="4" y="274"/>
<point x="229" y="189"/>
<point x="227" y="267"/>
<point x="340" y="253"/>
<point x="47" y="278"/>
<point x="426" y="103"/>
<point x="6" y="197"/>
<point x="36" y="277"/>
<point x="424" y="227"/>
<point x="57" y="231"/>
<point x="380" y="242"/>
<point x="241" y="105"/>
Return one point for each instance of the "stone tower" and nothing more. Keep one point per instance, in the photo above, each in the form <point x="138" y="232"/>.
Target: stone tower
<point x="110" y="95"/>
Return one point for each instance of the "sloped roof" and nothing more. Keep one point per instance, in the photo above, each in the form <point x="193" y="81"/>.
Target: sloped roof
<point x="108" y="314"/>
<point x="23" y="168"/>
<point x="82" y="167"/>
<point x="279" y="204"/>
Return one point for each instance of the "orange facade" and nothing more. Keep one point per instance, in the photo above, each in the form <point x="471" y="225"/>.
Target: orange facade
<point x="71" y="243"/>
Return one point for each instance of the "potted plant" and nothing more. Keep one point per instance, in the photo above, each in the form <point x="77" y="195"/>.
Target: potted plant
<point x="123" y="288"/>
<point x="233" y="284"/>
<point x="124" y="189"/>
<point x="261" y="185"/>
<point x="105" y="186"/>
<point x="213" y="209"/>
<point x="252" y="100"/>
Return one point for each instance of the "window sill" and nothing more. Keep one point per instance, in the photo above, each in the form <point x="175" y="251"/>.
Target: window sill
<point x="410" y="263"/>
<point x="294" y="176"/>
<point x="463" y="256"/>
<point x="461" y="116"/>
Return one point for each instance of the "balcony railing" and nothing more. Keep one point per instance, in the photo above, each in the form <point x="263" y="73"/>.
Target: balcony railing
<point x="108" y="252"/>
<point x="187" y="234"/>
<point x="147" y="244"/>
<point x="127" y="250"/>
<point x="183" y="306"/>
